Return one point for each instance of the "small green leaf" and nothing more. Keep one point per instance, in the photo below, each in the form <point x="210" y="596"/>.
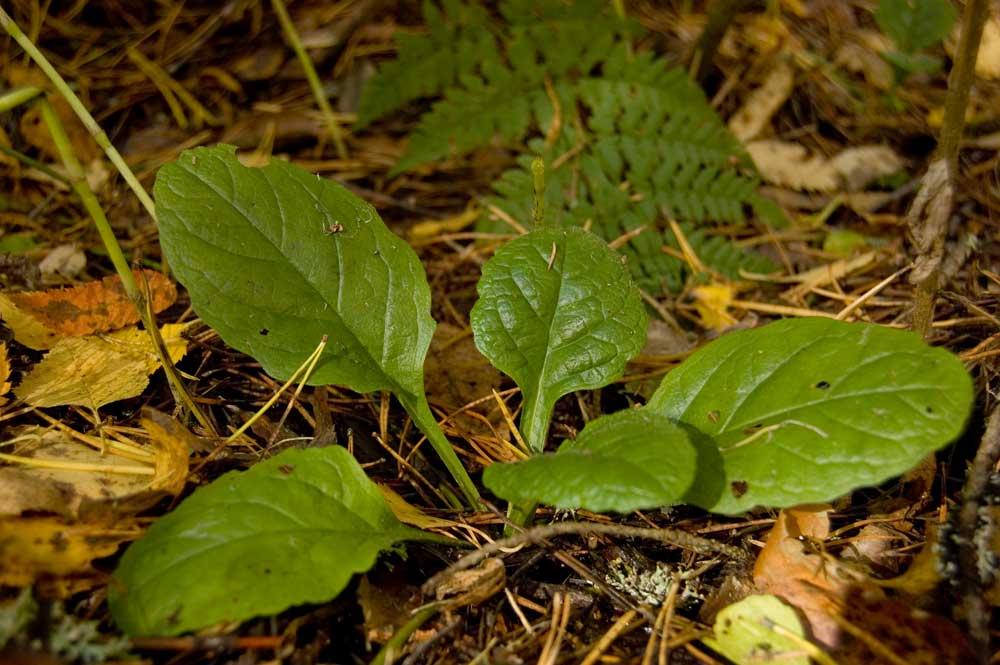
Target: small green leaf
<point x="629" y="460"/>
<point x="274" y="258"/>
<point x="913" y="63"/>
<point x="291" y="530"/>
<point x="745" y="633"/>
<point x="915" y="24"/>
<point x="558" y="312"/>
<point x="806" y="410"/>
<point x="843" y="241"/>
<point x="17" y="243"/>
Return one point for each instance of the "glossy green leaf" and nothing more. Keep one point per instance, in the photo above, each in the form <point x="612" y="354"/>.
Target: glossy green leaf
<point x="759" y="629"/>
<point x="256" y="250"/>
<point x="807" y="410"/>
<point x="626" y="461"/>
<point x="558" y="312"/>
<point x="915" y="24"/>
<point x="274" y="258"/>
<point x="291" y="530"/>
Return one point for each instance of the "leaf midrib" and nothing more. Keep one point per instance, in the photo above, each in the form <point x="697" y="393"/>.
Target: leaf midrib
<point x="393" y="385"/>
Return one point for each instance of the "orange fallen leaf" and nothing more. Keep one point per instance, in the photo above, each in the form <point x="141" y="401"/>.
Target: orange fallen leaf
<point x="97" y="370"/>
<point x="93" y="307"/>
<point x="805" y="579"/>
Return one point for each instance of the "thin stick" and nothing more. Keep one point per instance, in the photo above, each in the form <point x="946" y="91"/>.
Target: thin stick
<point x="869" y="294"/>
<point x="537" y="535"/>
<point x="955" y="103"/>
<point x="622" y="625"/>
<point x="81" y="111"/>
<point x="288" y="27"/>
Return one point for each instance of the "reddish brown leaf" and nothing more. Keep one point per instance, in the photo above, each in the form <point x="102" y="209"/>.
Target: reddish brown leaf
<point x="791" y="567"/>
<point x="93" y="307"/>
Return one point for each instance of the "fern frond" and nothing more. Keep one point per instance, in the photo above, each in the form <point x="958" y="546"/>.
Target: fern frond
<point x="719" y="253"/>
<point x="459" y="38"/>
<point x="507" y="98"/>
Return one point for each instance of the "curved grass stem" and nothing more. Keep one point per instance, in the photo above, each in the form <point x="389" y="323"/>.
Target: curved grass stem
<point x="292" y="35"/>
<point x="78" y="182"/>
<point x="81" y="111"/>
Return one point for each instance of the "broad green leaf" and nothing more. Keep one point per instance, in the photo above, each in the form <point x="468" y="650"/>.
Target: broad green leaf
<point x="274" y="258"/>
<point x="806" y="410"/>
<point x="629" y="460"/>
<point x="257" y="251"/>
<point x="915" y="24"/>
<point x="291" y="530"/>
<point x="558" y="312"/>
<point x="745" y="633"/>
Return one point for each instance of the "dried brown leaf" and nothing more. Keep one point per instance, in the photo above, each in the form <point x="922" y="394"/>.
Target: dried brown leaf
<point x="22" y="491"/>
<point x="36" y="133"/>
<point x="752" y="117"/>
<point x="805" y="579"/>
<point x="791" y="165"/>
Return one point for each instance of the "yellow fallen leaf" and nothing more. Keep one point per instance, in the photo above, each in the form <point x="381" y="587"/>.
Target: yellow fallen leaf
<point x="407" y="513"/>
<point x="50" y="550"/>
<point x="430" y="229"/>
<point x="4" y="373"/>
<point x="97" y="370"/>
<point x="712" y="304"/>
<point x="27" y="330"/>
<point x="172" y="444"/>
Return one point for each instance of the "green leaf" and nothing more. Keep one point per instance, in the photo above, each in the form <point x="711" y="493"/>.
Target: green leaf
<point x="913" y="63"/>
<point x="843" y="241"/>
<point x="745" y="632"/>
<point x="558" y="312"/>
<point x="807" y="410"/>
<point x="915" y="24"/>
<point x="274" y="258"/>
<point x="17" y="243"/>
<point x="291" y="530"/>
<point x="626" y="461"/>
<point x="253" y="247"/>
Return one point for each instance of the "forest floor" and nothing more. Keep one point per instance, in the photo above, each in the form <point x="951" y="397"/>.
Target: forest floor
<point x="802" y="81"/>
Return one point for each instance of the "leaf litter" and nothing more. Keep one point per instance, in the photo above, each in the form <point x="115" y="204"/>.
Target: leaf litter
<point x="827" y="284"/>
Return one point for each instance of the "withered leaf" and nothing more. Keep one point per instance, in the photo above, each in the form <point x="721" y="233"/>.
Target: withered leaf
<point x="93" y="307"/>
<point x="97" y="370"/>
